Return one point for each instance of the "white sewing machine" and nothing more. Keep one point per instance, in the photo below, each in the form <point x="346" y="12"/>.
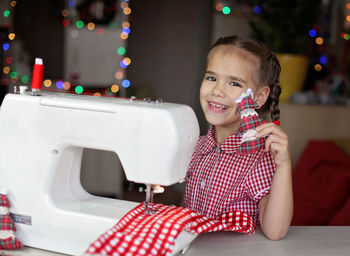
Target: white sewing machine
<point x="41" y="143"/>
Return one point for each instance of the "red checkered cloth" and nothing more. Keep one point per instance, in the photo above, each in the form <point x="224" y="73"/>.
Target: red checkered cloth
<point x="7" y="227"/>
<point x="140" y="234"/>
<point x="249" y="122"/>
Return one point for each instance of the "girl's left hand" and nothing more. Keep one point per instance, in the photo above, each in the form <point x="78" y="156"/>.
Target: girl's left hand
<point x="276" y="142"/>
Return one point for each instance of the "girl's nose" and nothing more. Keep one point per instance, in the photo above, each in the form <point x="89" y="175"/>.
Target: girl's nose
<point x="217" y="91"/>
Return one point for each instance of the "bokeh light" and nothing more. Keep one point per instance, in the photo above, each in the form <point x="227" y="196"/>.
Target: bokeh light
<point x="65" y="23"/>
<point x="6" y="70"/>
<point x="13" y="3"/>
<point x="9" y="60"/>
<point x="79" y="89"/>
<point x="126" y="24"/>
<point x="91" y="26"/>
<point x="312" y="32"/>
<point x="59" y="84"/>
<point x="5" y="46"/>
<point x="318" y="67"/>
<point x="13" y="74"/>
<point x="127" y="60"/>
<point x="219" y="7"/>
<point x="47" y="83"/>
<point x="126" y="83"/>
<point x="119" y="74"/>
<point x="124" y="35"/>
<point x="121" y="50"/>
<point x="100" y="31"/>
<point x="127" y="11"/>
<point x="79" y="24"/>
<point x="257" y="9"/>
<point x="66" y="85"/>
<point x="25" y="79"/>
<point x="97" y="94"/>
<point x="226" y="10"/>
<point x="65" y="13"/>
<point x="323" y="60"/>
<point x="6" y="13"/>
<point x="319" y="40"/>
<point x="12" y="36"/>
<point x="115" y="88"/>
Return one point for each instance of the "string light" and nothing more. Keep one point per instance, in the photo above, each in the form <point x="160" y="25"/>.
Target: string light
<point x="11" y="36"/>
<point x="226" y="10"/>
<point x="319" y="40"/>
<point x="318" y="67"/>
<point x="115" y="88"/>
<point x="47" y="83"/>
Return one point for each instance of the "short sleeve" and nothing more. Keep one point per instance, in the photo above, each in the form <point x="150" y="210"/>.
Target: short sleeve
<point x="259" y="180"/>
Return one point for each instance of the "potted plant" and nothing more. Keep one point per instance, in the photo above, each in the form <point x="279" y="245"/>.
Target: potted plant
<point x="284" y="26"/>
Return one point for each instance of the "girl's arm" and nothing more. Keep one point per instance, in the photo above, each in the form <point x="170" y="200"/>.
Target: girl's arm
<point x="276" y="208"/>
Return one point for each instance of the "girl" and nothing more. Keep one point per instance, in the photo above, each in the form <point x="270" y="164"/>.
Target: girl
<point x="219" y="180"/>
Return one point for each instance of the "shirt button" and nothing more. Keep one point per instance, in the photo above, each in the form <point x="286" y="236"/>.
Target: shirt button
<point x="202" y="184"/>
<point x="217" y="149"/>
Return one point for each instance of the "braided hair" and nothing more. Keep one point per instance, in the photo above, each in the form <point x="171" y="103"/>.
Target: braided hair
<point x="268" y="72"/>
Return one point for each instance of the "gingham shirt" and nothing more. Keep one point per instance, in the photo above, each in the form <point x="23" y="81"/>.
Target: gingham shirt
<point x="219" y="180"/>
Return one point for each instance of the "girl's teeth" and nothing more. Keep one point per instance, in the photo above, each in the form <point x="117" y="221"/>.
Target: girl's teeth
<point x="218" y="106"/>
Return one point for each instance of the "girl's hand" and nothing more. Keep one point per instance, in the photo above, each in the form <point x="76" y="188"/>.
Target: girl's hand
<point x="276" y="142"/>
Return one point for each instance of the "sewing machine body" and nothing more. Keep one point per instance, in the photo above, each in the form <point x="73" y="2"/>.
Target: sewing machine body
<point x="42" y="141"/>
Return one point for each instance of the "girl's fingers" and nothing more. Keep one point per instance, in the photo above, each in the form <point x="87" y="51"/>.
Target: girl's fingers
<point x="269" y="128"/>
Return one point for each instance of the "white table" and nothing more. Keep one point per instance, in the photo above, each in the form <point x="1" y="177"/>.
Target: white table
<point x="310" y="241"/>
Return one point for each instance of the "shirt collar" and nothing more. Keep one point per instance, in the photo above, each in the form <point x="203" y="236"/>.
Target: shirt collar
<point x="230" y="145"/>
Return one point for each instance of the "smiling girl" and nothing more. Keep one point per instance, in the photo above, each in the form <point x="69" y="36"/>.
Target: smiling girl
<point x="220" y="180"/>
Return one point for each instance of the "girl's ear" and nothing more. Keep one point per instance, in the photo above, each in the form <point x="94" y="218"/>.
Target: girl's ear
<point x="261" y="95"/>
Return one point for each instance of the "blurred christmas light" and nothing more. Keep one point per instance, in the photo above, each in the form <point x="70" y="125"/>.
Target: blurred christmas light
<point x="79" y="89"/>
<point x="5" y="81"/>
<point x="97" y="94"/>
<point x="8" y="60"/>
<point x="71" y="3"/>
<point x="318" y="67"/>
<point x="319" y="40"/>
<point x="347" y="37"/>
<point x="121" y="50"/>
<point x="91" y="26"/>
<point x="348" y="18"/>
<point x="126" y="30"/>
<point x="257" y="9"/>
<point x="124" y="36"/>
<point x="124" y="5"/>
<point x="312" y="32"/>
<point x="100" y="31"/>
<point x="226" y="10"/>
<point x="119" y="75"/>
<point x="66" y="85"/>
<point x="126" y="24"/>
<point x="5" y="46"/>
<point x="7" y="13"/>
<point x="127" y="11"/>
<point x="65" y="23"/>
<point x="47" y="83"/>
<point x="25" y="79"/>
<point x="12" y="36"/>
<point x="65" y="13"/>
<point x="79" y="24"/>
<point x="127" y="60"/>
<point x="323" y="60"/>
<point x="13" y="3"/>
<point x="219" y="7"/>
<point x="126" y="83"/>
<point x="6" y="70"/>
<point x="13" y="74"/>
<point x="115" y="88"/>
<point x="348" y="5"/>
<point x="59" y="84"/>
<point x="123" y="64"/>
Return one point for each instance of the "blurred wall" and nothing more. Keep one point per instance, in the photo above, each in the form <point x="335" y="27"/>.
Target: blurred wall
<point x="168" y="45"/>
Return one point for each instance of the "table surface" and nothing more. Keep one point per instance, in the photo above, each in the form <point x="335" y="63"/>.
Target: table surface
<point x="318" y="241"/>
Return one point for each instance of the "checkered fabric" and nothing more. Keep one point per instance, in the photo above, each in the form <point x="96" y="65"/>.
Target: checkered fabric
<point x="7" y="227"/>
<point x="219" y="179"/>
<point x="249" y="122"/>
<point x="140" y="234"/>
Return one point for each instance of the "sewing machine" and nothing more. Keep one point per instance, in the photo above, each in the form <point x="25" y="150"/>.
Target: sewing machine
<point x="41" y="143"/>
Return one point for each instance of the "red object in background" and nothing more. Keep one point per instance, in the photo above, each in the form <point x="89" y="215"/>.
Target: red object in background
<point x="276" y="123"/>
<point x="321" y="185"/>
<point x="38" y="74"/>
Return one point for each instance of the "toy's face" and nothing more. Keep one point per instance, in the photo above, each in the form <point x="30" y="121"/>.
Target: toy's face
<point x="229" y="73"/>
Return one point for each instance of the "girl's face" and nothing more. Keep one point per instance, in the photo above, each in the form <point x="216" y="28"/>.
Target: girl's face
<point x="230" y="72"/>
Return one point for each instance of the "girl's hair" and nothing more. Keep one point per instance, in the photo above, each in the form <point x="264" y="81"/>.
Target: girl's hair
<point x="268" y="72"/>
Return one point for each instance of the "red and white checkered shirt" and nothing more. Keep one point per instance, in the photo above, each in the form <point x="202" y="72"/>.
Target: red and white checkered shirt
<point x="219" y="180"/>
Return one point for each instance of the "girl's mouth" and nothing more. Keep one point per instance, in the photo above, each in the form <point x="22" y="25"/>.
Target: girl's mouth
<point x="217" y="107"/>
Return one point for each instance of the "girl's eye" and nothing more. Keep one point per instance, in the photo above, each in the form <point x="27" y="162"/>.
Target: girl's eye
<point x="210" y="78"/>
<point x="235" y="84"/>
